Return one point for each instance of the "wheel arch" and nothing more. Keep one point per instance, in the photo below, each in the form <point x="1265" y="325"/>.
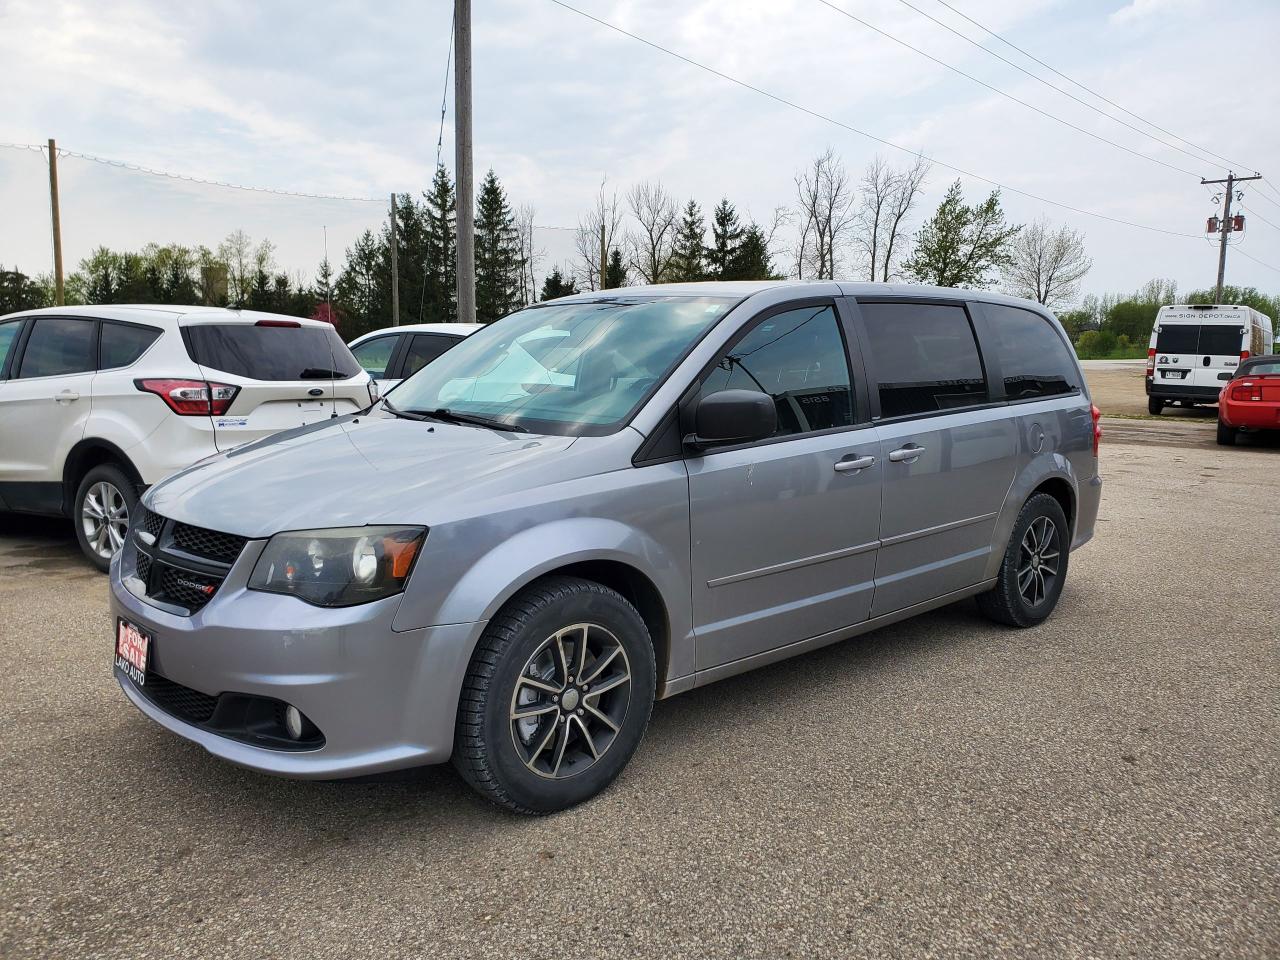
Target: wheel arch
<point x="84" y="456"/>
<point x="1049" y="473"/>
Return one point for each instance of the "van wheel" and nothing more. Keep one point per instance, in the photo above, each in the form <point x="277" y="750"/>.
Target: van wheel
<point x="1154" y="406"/>
<point x="1226" y="435"/>
<point x="104" y="501"/>
<point x="1034" y="566"/>
<point x="556" y="698"/>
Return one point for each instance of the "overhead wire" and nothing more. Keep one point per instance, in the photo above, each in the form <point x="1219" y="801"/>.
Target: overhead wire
<point x="444" y="94"/>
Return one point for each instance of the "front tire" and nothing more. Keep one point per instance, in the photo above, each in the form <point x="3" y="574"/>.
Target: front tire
<point x="105" y="500"/>
<point x="1226" y="435"/>
<point x="1034" y="567"/>
<point x="1154" y="406"/>
<point x="557" y="697"/>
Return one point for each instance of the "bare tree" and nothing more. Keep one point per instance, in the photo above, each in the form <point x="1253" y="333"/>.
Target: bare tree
<point x="879" y="184"/>
<point x="1047" y="264"/>
<point x="237" y="253"/>
<point x="607" y="211"/>
<point x="825" y="199"/>
<point x="906" y="188"/>
<point x="529" y="254"/>
<point x="651" y="247"/>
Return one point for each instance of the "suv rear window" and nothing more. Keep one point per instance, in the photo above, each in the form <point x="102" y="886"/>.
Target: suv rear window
<point x="1033" y="358"/>
<point x="271" y="353"/>
<point x="924" y="356"/>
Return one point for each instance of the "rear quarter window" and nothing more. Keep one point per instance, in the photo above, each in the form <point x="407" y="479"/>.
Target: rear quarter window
<point x="1034" y="359"/>
<point x="271" y="353"/>
<point x="924" y="356"/>
<point x="123" y="343"/>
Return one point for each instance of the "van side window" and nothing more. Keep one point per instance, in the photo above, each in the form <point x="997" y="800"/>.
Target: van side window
<point x="1032" y="356"/>
<point x="798" y="359"/>
<point x="924" y="356"/>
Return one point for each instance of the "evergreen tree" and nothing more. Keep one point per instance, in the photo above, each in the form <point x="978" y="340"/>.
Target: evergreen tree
<point x="498" y="260"/>
<point x="962" y="246"/>
<point x="439" y="293"/>
<point x="412" y="232"/>
<point x="726" y="235"/>
<point x="359" y="293"/>
<point x="751" y="261"/>
<point x="615" y="274"/>
<point x="555" y="286"/>
<point x="688" y="258"/>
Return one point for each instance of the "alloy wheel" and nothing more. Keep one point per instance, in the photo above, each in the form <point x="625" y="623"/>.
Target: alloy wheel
<point x="104" y="517"/>
<point x="1038" y="567"/>
<point x="570" y="701"/>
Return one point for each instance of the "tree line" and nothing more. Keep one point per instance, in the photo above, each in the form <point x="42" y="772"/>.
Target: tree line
<point x="838" y="226"/>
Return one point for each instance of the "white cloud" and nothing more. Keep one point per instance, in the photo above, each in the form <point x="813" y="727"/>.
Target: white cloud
<point x="1145" y="10"/>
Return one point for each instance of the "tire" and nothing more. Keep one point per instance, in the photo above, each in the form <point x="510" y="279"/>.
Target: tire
<point x="100" y="537"/>
<point x="1015" y="599"/>
<point x="526" y="764"/>
<point x="1226" y="435"/>
<point x="1154" y="406"/>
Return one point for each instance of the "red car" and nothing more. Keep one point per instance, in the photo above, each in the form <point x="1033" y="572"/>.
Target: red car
<point x="1250" y="399"/>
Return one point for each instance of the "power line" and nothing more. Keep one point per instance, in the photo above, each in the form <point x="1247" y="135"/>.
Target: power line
<point x="1263" y="263"/>
<point x="1030" y="56"/>
<point x="444" y="94"/>
<point x="862" y="133"/>
<point x="1007" y="96"/>
<point x="1039" y="79"/>
<point x="1255" y="213"/>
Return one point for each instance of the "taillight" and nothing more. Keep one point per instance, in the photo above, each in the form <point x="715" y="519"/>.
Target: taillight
<point x="1247" y="391"/>
<point x="1151" y="363"/>
<point x="192" y="398"/>
<point x="1096" y="414"/>
<point x="1244" y="355"/>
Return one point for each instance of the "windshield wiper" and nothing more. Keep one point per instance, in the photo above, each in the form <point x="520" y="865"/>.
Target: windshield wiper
<point x="402" y="414"/>
<point x="453" y="416"/>
<point x="321" y="373"/>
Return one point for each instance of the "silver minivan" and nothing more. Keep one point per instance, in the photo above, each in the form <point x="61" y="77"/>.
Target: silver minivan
<point x="699" y="480"/>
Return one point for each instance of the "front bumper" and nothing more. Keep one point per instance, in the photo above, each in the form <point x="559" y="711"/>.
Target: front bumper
<point x="382" y="699"/>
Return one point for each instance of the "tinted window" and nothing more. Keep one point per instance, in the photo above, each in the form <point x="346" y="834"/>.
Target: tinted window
<point x="1034" y="360"/>
<point x="374" y="355"/>
<point x="8" y="337"/>
<point x="423" y="348"/>
<point x="58" y="346"/>
<point x="798" y="359"/>
<point x="271" y="353"/>
<point x="1261" y="368"/>
<point x="1218" y="339"/>
<point x="1177" y="337"/>
<point x="121" y="344"/>
<point x="924" y="357"/>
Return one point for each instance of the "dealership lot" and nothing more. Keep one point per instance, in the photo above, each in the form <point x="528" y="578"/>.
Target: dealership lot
<point x="1103" y="785"/>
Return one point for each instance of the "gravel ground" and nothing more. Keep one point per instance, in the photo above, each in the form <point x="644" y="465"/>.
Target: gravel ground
<point x="1102" y="786"/>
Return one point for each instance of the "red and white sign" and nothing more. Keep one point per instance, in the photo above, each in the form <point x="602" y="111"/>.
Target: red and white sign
<point x="131" y="651"/>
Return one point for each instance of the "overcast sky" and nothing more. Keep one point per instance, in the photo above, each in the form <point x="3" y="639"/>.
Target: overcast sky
<point x="344" y="98"/>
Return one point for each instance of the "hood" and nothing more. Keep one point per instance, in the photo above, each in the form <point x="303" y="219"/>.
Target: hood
<point x="351" y="472"/>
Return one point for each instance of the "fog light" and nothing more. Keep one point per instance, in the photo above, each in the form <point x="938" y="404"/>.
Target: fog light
<point x="293" y="722"/>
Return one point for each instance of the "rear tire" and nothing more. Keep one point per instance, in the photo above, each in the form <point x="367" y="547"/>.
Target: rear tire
<point x="556" y="698"/>
<point x="1154" y="406"/>
<point x="1034" y="568"/>
<point x="105" y="500"/>
<point x="1226" y="435"/>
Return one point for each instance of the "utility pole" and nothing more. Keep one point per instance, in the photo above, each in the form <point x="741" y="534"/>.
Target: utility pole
<point x="395" y="269"/>
<point x="1225" y="227"/>
<point x="462" y="155"/>
<point x="58" y="290"/>
<point x="604" y="259"/>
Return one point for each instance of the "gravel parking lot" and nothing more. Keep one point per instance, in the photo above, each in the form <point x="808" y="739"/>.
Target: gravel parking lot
<point x="1102" y="786"/>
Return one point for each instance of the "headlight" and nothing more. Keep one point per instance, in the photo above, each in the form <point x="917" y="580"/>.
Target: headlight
<point x="340" y="567"/>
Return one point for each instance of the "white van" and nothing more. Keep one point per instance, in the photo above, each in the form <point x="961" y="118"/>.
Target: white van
<point x="1195" y="348"/>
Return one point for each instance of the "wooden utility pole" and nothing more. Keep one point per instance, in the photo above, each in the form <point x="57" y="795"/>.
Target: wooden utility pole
<point x="462" y="154"/>
<point x="395" y="268"/>
<point x="604" y="259"/>
<point x="1225" y="227"/>
<point x="58" y="290"/>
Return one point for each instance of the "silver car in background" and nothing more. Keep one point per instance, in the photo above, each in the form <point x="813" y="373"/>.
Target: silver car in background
<point x="505" y="573"/>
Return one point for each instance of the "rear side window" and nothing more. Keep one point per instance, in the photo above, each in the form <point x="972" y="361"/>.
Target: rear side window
<point x="798" y="359"/>
<point x="58" y="346"/>
<point x="423" y="348"/>
<point x="924" y="357"/>
<point x="122" y="344"/>
<point x="374" y="355"/>
<point x="271" y="353"/>
<point x="1034" y="360"/>
<point x="8" y="337"/>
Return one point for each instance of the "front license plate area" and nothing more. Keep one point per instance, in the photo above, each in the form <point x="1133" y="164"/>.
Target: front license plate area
<point x="133" y="646"/>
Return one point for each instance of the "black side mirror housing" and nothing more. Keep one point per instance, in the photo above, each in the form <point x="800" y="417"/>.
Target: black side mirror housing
<point x="732" y="416"/>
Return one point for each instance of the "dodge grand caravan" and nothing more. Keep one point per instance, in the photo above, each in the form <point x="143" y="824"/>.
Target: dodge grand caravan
<point x="508" y="574"/>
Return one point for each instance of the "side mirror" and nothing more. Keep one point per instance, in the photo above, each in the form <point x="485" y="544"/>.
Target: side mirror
<point x="732" y="416"/>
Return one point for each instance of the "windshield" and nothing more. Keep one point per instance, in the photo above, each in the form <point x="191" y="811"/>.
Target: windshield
<point x="573" y="369"/>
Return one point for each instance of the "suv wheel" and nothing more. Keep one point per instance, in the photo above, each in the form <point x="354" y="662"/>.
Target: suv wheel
<point x="556" y="698"/>
<point x="1034" y="566"/>
<point x="1154" y="406"/>
<point x="1226" y="435"/>
<point x="104" y="501"/>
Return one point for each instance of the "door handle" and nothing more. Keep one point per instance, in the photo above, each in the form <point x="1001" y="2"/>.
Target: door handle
<point x="908" y="454"/>
<point x="66" y="396"/>
<point x="854" y="464"/>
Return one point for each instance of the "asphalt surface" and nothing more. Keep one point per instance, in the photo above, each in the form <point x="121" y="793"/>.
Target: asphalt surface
<point x="1104" y="785"/>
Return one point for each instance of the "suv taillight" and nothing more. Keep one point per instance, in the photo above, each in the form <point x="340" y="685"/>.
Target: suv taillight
<point x="192" y="398"/>
<point x="1247" y="391"/>
<point x="1096" y="414"/>
<point x="1151" y="363"/>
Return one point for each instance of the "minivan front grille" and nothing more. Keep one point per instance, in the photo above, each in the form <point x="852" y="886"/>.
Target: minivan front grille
<point x="183" y="565"/>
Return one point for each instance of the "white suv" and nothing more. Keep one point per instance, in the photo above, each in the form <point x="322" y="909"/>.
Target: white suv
<point x="97" y="403"/>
